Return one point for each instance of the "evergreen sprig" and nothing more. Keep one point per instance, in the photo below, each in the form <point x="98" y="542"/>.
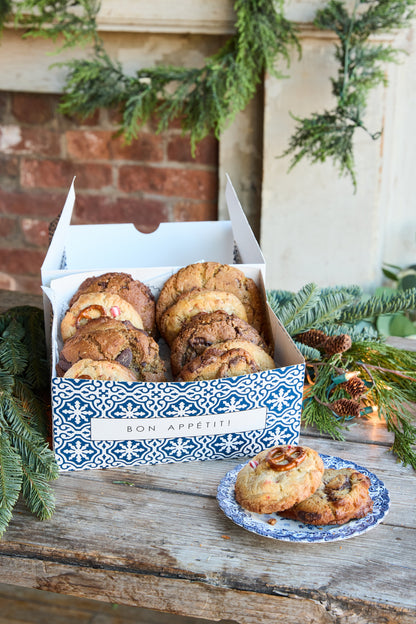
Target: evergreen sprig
<point x="389" y="372"/>
<point x="205" y="99"/>
<point x="330" y="135"/>
<point x="27" y="464"/>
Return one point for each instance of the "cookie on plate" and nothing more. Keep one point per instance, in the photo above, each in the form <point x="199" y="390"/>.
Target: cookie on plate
<point x="95" y="305"/>
<point x="214" y="276"/>
<point x="131" y="290"/>
<point x="118" y="341"/>
<point x="191" y="303"/>
<point x="215" y="364"/>
<point x="207" y="329"/>
<point x="277" y="479"/>
<point x="103" y="370"/>
<point x="342" y="496"/>
<point x="210" y="364"/>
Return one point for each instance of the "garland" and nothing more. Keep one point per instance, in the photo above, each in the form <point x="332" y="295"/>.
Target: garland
<point x="329" y="135"/>
<point x="205" y="99"/>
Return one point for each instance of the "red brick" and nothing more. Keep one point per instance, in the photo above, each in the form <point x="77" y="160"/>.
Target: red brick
<point x="59" y="174"/>
<point x="146" y="147"/>
<point x="9" y="168"/>
<point x="7" y="282"/>
<point x="146" y="214"/>
<point x="21" y="261"/>
<point x="88" y="144"/>
<point x="33" y="108"/>
<point x="4" y="101"/>
<point x="195" y="211"/>
<point x="35" y="232"/>
<point x="31" y="203"/>
<point x="206" y="152"/>
<point x="78" y="120"/>
<point x="28" y="284"/>
<point x="7" y="226"/>
<point x="33" y="141"/>
<point x="184" y="183"/>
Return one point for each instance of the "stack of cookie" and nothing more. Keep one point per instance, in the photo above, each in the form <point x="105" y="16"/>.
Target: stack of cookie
<point x="292" y="482"/>
<point x="213" y="319"/>
<point x="109" y="332"/>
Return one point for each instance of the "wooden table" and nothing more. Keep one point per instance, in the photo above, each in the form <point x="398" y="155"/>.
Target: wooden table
<point x="155" y="537"/>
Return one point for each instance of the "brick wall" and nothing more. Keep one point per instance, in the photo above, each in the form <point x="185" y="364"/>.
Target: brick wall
<point x="154" y="179"/>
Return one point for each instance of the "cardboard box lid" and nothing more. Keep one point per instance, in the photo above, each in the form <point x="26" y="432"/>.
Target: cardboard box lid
<point x="76" y="248"/>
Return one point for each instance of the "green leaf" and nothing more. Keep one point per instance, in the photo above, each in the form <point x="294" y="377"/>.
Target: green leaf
<point x="383" y="324"/>
<point x="400" y="325"/>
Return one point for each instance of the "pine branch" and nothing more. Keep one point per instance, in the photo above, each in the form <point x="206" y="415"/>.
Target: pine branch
<point x="10" y="481"/>
<point x="390" y="303"/>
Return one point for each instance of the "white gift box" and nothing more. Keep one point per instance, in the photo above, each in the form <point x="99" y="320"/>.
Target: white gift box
<point x="101" y="424"/>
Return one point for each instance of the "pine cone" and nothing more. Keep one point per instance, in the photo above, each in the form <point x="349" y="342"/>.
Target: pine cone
<point x="337" y="344"/>
<point x="312" y="338"/>
<point x="346" y="407"/>
<point x="355" y="387"/>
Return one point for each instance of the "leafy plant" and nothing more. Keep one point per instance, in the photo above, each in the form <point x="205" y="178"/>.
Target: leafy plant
<point x="27" y="464"/>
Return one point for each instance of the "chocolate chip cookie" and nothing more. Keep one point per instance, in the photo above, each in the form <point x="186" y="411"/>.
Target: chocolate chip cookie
<point x="189" y="304"/>
<point x="207" y="329"/>
<point x="214" y="276"/>
<point x="109" y="339"/>
<point x="103" y="370"/>
<point x="342" y="496"/>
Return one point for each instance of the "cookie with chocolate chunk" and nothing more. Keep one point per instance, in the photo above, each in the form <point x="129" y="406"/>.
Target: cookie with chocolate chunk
<point x="277" y="479"/>
<point x="102" y="370"/>
<point x="131" y="290"/>
<point x="189" y="304"/>
<point x="207" y="329"/>
<point x="209" y="365"/>
<point x="213" y="276"/>
<point x="214" y="364"/>
<point x="113" y="340"/>
<point x="342" y="495"/>
<point x="94" y="305"/>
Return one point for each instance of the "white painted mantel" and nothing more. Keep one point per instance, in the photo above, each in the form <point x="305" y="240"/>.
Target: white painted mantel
<point x="312" y="226"/>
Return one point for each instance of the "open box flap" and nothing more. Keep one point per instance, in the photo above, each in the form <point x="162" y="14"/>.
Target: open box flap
<point x="100" y="247"/>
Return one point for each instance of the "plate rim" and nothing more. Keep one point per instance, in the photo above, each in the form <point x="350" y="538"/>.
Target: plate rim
<point x="247" y="520"/>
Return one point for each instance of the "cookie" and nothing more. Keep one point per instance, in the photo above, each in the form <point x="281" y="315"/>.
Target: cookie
<point x="278" y="478"/>
<point x="109" y="339"/>
<point x="213" y="364"/>
<point x="207" y="329"/>
<point x="342" y="496"/>
<point x="214" y="276"/>
<point x="103" y="370"/>
<point x="133" y="291"/>
<point x="191" y="303"/>
<point x="209" y="365"/>
<point x="95" y="305"/>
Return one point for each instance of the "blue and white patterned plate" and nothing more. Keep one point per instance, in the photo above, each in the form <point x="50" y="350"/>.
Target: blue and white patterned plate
<point x="295" y="531"/>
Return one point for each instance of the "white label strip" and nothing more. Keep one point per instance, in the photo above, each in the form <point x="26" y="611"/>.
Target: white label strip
<point x="186" y="426"/>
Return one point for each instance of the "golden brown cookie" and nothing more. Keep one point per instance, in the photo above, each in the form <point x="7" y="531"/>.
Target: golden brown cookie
<point x="210" y="364"/>
<point x="191" y="303"/>
<point x="207" y="329"/>
<point x="109" y="339"/>
<point x="214" y="276"/>
<point x="133" y="291"/>
<point x="342" y="496"/>
<point x="213" y="364"/>
<point x="95" y="305"/>
<point x="277" y="479"/>
<point x="103" y="370"/>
